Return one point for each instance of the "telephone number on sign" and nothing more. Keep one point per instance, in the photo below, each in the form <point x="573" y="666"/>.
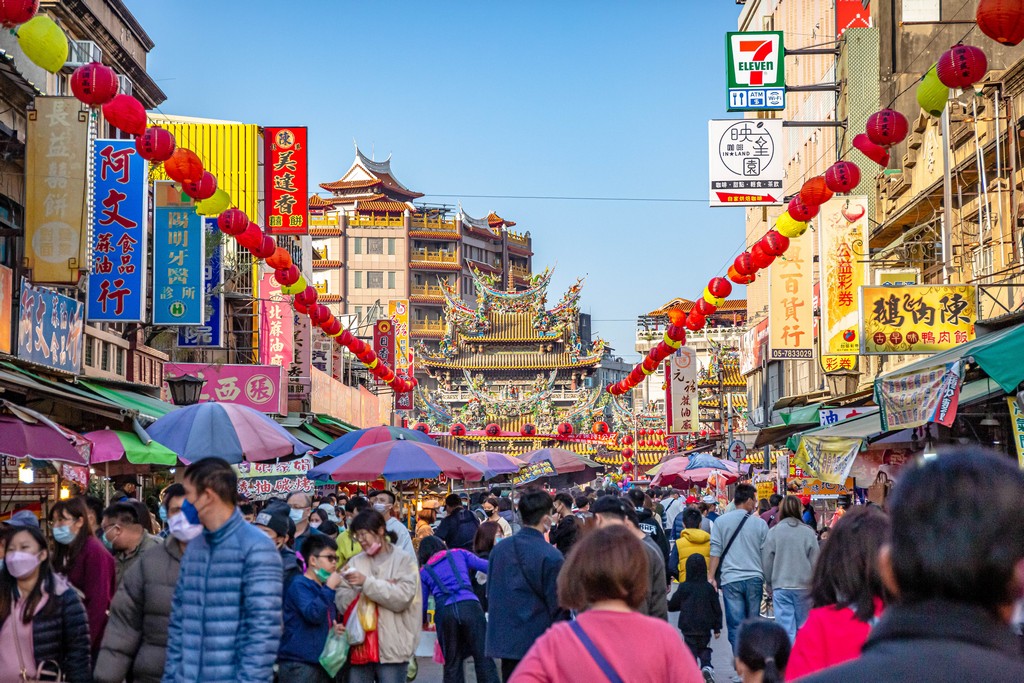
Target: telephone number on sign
<point x="792" y="354"/>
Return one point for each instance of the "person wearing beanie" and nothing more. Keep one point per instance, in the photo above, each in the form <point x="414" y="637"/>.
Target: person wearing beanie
<point x="274" y="522"/>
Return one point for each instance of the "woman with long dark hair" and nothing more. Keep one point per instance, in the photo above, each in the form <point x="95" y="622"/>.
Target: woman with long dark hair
<point x="487" y="534"/>
<point x="80" y="556"/>
<point x="42" y="621"/>
<point x="762" y="652"/>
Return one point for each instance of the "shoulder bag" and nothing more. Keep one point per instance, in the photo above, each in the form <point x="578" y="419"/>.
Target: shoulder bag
<point x="606" y="668"/>
<point x="725" y="551"/>
<point x="41" y="670"/>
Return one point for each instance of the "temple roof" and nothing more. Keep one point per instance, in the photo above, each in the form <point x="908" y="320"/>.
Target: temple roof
<point x="384" y="205"/>
<point x="730" y="306"/>
<point x="318" y="202"/>
<point x="367" y="174"/>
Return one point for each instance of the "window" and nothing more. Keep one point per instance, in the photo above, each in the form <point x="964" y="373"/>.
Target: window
<point x="374" y="245"/>
<point x="375" y="279"/>
<point x="981" y="261"/>
<point x="359" y="280"/>
<point x="357" y="245"/>
<point x="391" y="279"/>
<point x="120" y="362"/>
<point x="88" y="352"/>
<point x="104" y="356"/>
<point x="359" y="312"/>
<point x="391" y="246"/>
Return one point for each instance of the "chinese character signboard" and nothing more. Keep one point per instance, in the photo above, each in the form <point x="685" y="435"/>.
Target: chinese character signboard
<point x="286" y="180"/>
<point x="384" y="342"/>
<point x="302" y="355"/>
<point x="57" y="158"/>
<point x="277" y="332"/>
<point x="533" y="472"/>
<point x="211" y="333"/>
<point x="842" y="227"/>
<point x="752" y="347"/>
<point x="179" y="256"/>
<point x="1017" y="426"/>
<point x="827" y="458"/>
<point x="852" y="14"/>
<point x="897" y="277"/>
<point x="683" y="414"/>
<point x="117" y="274"/>
<point x="263" y="480"/>
<point x="790" y="312"/>
<point x="756" y="67"/>
<point x="745" y="162"/>
<point x="915" y="398"/>
<point x="916" y="318"/>
<point x="260" y="387"/>
<point x="399" y="311"/>
<point x="830" y="416"/>
<point x="7" y="299"/>
<point x="50" y="330"/>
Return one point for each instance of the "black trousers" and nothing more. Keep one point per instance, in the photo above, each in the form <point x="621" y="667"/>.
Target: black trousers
<point x="507" y="667"/>
<point x="699" y="645"/>
<point x="461" y="631"/>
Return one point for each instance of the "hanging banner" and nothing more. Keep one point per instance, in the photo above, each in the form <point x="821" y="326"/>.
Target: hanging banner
<point x="843" y="259"/>
<point x="399" y="312"/>
<point x="384" y="342"/>
<point x="264" y="480"/>
<point x="745" y="162"/>
<point x="1017" y="425"/>
<point x="682" y="413"/>
<point x="533" y="472"/>
<point x="753" y="345"/>
<point x="56" y="171"/>
<point x="916" y="398"/>
<point x="302" y="355"/>
<point x="916" y="318"/>
<point x="756" y="70"/>
<point x="260" y="387"/>
<point x="211" y="333"/>
<point x="286" y="191"/>
<point x="6" y="309"/>
<point x="117" y="275"/>
<point x="179" y="257"/>
<point x="50" y="329"/>
<point x="790" y="312"/>
<point x="852" y="14"/>
<point x="826" y="458"/>
<point x="277" y="333"/>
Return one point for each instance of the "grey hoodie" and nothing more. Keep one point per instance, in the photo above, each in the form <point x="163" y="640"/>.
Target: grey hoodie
<point x="788" y="555"/>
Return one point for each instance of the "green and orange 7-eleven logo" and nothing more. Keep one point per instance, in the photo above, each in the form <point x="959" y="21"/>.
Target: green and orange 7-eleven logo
<point x="756" y="59"/>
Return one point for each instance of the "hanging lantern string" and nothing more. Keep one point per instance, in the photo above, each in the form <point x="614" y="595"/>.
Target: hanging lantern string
<point x="917" y="82"/>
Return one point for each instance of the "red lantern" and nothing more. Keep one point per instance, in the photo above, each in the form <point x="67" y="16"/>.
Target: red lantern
<point x="962" y="66"/>
<point x="280" y="258"/>
<point x="492" y="430"/>
<point x="184" y="166"/>
<point x="308" y="296"/>
<point x="346" y="338"/>
<point x="613" y="389"/>
<point x="801" y="212"/>
<point x="739" y="279"/>
<point x="318" y="314"/>
<point x="332" y="327"/>
<point x="565" y="429"/>
<point x="287" y="276"/>
<point x="627" y="439"/>
<point x="887" y="127"/>
<point x="232" y="221"/>
<point x="14" y="12"/>
<point x="676" y="332"/>
<point x="156" y="144"/>
<point x="600" y="427"/>
<point x="636" y="375"/>
<point x="422" y="427"/>
<point x="126" y="113"/>
<point x="251" y="237"/>
<point x="663" y="350"/>
<point x="527" y="429"/>
<point x="357" y="347"/>
<point x="203" y="189"/>
<point x="94" y="83"/>
<point x="720" y="287"/>
<point x="744" y="264"/>
<point x="366" y="356"/>
<point x="774" y="243"/>
<point x="627" y="466"/>
<point x="1001" y="20"/>
<point x="761" y="258"/>
<point x="695" y="321"/>
<point x="386" y="374"/>
<point x="627" y="453"/>
<point x="266" y="247"/>
<point x="457" y="429"/>
<point x="842" y="176"/>
<point x="815" y="192"/>
<point x="650" y="363"/>
<point x="705" y="307"/>
<point x="876" y="153"/>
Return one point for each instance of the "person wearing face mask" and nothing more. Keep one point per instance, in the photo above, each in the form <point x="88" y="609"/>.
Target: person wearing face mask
<point x="43" y="624"/>
<point x="135" y="642"/>
<point x="300" y="506"/>
<point x="384" y="503"/>
<point x="459" y="526"/>
<point x="491" y="514"/>
<point x="348" y="546"/>
<point x="226" y="612"/>
<point x="309" y="614"/>
<point x="125" y="536"/>
<point x="80" y="556"/>
<point x="274" y="522"/>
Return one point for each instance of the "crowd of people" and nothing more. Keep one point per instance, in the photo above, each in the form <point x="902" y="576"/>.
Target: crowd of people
<point x="530" y="586"/>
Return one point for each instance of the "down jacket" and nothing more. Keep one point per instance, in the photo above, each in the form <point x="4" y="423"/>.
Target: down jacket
<point x="226" y="613"/>
<point x="62" y="635"/>
<point x="136" y="637"/>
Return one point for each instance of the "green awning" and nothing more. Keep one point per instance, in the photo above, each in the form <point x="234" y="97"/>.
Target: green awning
<point x="60" y="385"/>
<point x="149" y="408"/>
<point x="802" y="415"/>
<point x="307" y="438"/>
<point x="319" y="433"/>
<point x="335" y="422"/>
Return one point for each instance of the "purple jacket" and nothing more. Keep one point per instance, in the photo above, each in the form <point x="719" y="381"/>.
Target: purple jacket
<point x="454" y="587"/>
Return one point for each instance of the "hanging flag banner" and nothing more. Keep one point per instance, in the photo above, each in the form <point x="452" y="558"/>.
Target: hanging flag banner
<point x="756" y="70"/>
<point x="384" y="342"/>
<point x="179" y="256"/>
<point x="302" y="355"/>
<point x="826" y="458"/>
<point x="56" y="171"/>
<point x="753" y="347"/>
<point x="286" y="191"/>
<point x="6" y="310"/>
<point x="399" y="312"/>
<point x="745" y="162"/>
<point x="533" y="472"/>
<point x="260" y="387"/>
<point x="682" y="413"/>
<point x="843" y="258"/>
<point x="916" y="398"/>
<point x="211" y="333"/>
<point x="277" y="333"/>
<point x="117" y="274"/>
<point x="1017" y="425"/>
<point x="264" y="480"/>
<point x="50" y="329"/>
<point x="916" y="318"/>
<point x="790" y="312"/>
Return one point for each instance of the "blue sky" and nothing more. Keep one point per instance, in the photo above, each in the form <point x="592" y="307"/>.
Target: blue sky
<point x="571" y="98"/>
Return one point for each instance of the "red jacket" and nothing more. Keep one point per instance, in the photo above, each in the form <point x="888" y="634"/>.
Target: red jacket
<point x="831" y="635"/>
<point x="93" y="573"/>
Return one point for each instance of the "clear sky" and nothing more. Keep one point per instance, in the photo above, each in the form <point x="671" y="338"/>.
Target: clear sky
<point x="571" y="98"/>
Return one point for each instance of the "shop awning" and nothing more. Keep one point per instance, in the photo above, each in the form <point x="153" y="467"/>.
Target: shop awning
<point x="149" y="409"/>
<point x="793" y="422"/>
<point x="999" y="354"/>
<point x="42" y="388"/>
<point x="297" y="426"/>
<point x="307" y="438"/>
<point x="345" y="427"/>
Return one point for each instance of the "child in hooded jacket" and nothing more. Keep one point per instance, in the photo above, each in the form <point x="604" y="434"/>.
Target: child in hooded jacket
<point x="700" y="612"/>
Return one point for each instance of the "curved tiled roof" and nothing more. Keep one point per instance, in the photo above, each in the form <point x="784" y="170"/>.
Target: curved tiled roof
<point x="317" y="202"/>
<point x="383" y="205"/>
<point x="685" y="305"/>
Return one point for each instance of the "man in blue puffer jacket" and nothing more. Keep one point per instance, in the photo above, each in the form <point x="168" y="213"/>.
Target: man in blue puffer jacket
<point x="226" y="616"/>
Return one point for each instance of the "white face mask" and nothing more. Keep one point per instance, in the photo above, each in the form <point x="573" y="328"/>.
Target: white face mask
<point x="182" y="529"/>
<point x="315" y="525"/>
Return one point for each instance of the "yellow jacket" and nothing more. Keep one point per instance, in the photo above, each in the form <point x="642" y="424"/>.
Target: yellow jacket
<point x="692" y="541"/>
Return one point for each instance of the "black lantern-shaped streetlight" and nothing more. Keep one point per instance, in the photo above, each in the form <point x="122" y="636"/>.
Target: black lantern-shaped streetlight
<point x="185" y="390"/>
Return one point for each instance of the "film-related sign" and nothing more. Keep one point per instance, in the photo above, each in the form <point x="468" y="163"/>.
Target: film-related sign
<point x="916" y="398"/>
<point x="843" y="258"/>
<point x="277" y="333"/>
<point x="179" y="256"/>
<point x="916" y="318"/>
<point x="682" y="411"/>
<point x="56" y="163"/>
<point x="790" y="312"/>
<point x="263" y="480"/>
<point x="384" y="341"/>
<point x="756" y="65"/>
<point x="260" y="387"/>
<point x="827" y="458"/>
<point x="50" y="329"/>
<point x="117" y="274"/>
<point x="745" y="162"/>
<point x="211" y="333"/>
<point x="399" y="311"/>
<point x="286" y="180"/>
<point x="6" y="311"/>
<point x="753" y="347"/>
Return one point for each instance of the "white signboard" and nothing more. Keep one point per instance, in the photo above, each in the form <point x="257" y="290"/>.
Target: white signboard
<point x="745" y="162"/>
<point x="831" y="416"/>
<point x="681" y="392"/>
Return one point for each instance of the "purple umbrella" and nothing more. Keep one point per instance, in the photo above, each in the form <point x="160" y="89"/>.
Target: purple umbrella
<point x="397" y="461"/>
<point x="24" y="433"/>
<point x="496" y="464"/>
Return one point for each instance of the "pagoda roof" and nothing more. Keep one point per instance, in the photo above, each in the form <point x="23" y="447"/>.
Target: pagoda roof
<point x="318" y="202"/>
<point x="685" y="305"/>
<point x="731" y="377"/>
<point x="383" y="206"/>
<point x="367" y="174"/>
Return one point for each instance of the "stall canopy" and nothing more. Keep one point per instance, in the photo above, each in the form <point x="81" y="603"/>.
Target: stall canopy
<point x="149" y="409"/>
<point x="793" y="422"/>
<point x="23" y="382"/>
<point x="296" y="425"/>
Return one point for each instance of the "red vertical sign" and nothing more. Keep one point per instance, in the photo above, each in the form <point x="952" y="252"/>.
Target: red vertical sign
<point x="287" y="182"/>
<point x="384" y="342"/>
<point x="852" y="14"/>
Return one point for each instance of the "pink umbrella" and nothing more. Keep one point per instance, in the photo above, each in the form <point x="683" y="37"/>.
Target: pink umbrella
<point x="24" y="433"/>
<point x="675" y="473"/>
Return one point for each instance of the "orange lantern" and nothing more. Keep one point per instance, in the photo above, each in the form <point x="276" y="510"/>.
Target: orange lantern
<point x="815" y="192"/>
<point x="184" y="167"/>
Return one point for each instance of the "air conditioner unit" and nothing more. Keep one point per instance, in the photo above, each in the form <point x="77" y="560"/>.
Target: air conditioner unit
<point x="82" y="52"/>
<point x="124" y="85"/>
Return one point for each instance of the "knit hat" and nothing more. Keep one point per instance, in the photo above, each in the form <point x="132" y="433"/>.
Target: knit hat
<point x="275" y="519"/>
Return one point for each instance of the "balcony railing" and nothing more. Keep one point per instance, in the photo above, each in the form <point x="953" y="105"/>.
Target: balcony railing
<point x="427" y="327"/>
<point x="426" y="290"/>
<point x="387" y="220"/>
<point x="519" y="271"/>
<point x="457" y="395"/>
<point x="328" y="221"/>
<point x="518" y="238"/>
<point x="421" y="222"/>
<point x="428" y="256"/>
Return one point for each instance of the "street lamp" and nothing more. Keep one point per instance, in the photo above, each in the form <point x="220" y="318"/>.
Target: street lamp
<point x="185" y="390"/>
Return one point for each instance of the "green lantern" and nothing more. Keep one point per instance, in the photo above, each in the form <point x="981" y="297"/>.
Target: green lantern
<point x="295" y="288"/>
<point x="44" y="43"/>
<point x="215" y="205"/>
<point x="932" y="95"/>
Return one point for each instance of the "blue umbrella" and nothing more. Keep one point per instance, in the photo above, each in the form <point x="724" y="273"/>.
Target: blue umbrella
<point x="224" y="430"/>
<point x="397" y="460"/>
<point x="699" y="460"/>
<point x="361" y="438"/>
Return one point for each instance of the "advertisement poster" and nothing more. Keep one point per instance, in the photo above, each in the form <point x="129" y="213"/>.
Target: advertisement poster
<point x="916" y="318"/>
<point x="842" y="228"/>
<point x="260" y="387"/>
<point x="211" y="333"/>
<point x="286" y="191"/>
<point x="682" y="412"/>
<point x="179" y="258"/>
<point x="264" y="480"/>
<point x="277" y="333"/>
<point x="826" y="458"/>
<point x="6" y="310"/>
<point x="916" y="398"/>
<point x="790" y="311"/>
<point x="745" y="162"/>
<point x="384" y="342"/>
<point x="50" y="330"/>
<point x="753" y="345"/>
<point x="399" y="312"/>
<point x="533" y="472"/>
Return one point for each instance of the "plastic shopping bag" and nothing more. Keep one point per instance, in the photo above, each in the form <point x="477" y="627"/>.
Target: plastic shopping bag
<point x="367" y="610"/>
<point x="335" y="653"/>
<point x="353" y="629"/>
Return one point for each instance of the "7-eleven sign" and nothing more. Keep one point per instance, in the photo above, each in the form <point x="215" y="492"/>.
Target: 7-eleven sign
<point x="756" y="71"/>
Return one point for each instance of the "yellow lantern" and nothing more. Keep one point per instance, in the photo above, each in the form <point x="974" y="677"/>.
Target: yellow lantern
<point x="215" y="205"/>
<point x="789" y="227"/>
<point x="671" y="342"/>
<point x="646" y="371"/>
<point x="715" y="301"/>
<point x="932" y="95"/>
<point x="44" y="43"/>
<point x="298" y="286"/>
